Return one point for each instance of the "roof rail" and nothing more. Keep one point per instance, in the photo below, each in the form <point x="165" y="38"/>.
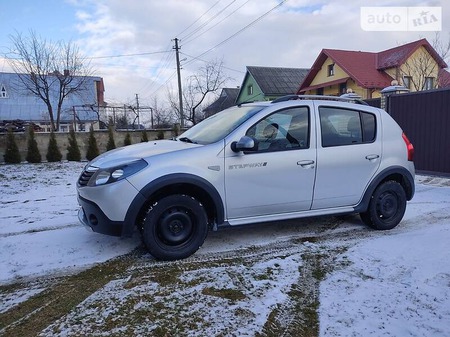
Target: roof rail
<point x="319" y="97"/>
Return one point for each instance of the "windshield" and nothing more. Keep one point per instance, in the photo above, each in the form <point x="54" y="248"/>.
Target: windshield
<point x="218" y="126"/>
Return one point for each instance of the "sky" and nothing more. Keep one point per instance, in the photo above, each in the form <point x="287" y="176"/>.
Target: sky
<point x="130" y="43"/>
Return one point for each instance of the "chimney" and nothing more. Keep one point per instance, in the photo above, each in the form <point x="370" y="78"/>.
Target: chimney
<point x="66" y="72"/>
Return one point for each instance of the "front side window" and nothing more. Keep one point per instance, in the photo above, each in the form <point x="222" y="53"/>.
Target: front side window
<point x="283" y="130"/>
<point x="346" y="127"/>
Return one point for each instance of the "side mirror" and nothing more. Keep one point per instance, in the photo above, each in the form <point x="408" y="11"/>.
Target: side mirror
<point x="246" y="143"/>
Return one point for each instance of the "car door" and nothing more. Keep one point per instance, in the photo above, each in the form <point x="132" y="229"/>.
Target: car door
<point x="348" y="155"/>
<point x="278" y="175"/>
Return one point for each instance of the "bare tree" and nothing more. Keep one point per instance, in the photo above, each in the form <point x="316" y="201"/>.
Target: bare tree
<point x="208" y="80"/>
<point x="49" y="71"/>
<point x="160" y="116"/>
<point x="442" y="47"/>
<point x="173" y="103"/>
<point x="423" y="70"/>
<point x="419" y="70"/>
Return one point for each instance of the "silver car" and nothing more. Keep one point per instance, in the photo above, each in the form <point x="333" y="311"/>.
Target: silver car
<point x="297" y="156"/>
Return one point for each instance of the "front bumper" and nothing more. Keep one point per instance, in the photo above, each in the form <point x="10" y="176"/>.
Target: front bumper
<point x="92" y="217"/>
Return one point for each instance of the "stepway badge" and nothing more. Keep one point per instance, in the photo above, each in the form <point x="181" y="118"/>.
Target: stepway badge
<point x="401" y="18"/>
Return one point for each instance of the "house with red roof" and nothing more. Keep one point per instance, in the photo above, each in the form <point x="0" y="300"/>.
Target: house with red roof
<point x="416" y="65"/>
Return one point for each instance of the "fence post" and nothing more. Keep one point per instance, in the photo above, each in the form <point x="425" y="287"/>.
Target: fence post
<point x="394" y="88"/>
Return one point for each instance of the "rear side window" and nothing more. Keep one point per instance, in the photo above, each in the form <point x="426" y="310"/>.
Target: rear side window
<point x="346" y="127"/>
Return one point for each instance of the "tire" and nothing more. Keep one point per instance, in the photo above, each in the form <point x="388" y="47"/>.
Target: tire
<point x="386" y="207"/>
<point x="175" y="227"/>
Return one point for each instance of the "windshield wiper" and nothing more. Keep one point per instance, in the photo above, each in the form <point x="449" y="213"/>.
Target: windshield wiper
<point x="186" y="140"/>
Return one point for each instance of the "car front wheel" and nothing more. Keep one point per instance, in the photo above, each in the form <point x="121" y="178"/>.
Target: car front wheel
<point x="175" y="227"/>
<point x="387" y="206"/>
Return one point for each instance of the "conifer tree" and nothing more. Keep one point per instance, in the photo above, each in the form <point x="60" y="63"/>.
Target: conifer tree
<point x="111" y="144"/>
<point x="92" y="150"/>
<point x="127" y="140"/>
<point x="12" y="154"/>
<point x="144" y="137"/>
<point x="73" y="151"/>
<point x="53" y="153"/>
<point x="33" y="154"/>
<point x="160" y="134"/>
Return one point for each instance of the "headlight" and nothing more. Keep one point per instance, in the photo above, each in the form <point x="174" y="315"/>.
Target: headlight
<point x="112" y="174"/>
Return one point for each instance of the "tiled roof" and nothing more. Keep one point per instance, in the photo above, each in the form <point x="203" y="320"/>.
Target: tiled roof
<point x="395" y="57"/>
<point x="278" y="81"/>
<point x="361" y="66"/>
<point x="366" y="68"/>
<point x="444" y="78"/>
<point x="226" y="99"/>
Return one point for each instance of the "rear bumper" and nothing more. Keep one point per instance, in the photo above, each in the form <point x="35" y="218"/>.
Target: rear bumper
<point x="93" y="218"/>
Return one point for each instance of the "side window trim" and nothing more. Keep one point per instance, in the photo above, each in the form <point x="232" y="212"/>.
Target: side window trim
<point x="283" y="130"/>
<point x="330" y="128"/>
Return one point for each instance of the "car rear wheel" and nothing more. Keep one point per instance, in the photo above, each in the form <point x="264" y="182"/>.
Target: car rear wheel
<point x="387" y="206"/>
<point x="175" y="227"/>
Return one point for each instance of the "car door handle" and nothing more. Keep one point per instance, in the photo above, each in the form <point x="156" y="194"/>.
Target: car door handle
<point x="306" y="163"/>
<point x="372" y="157"/>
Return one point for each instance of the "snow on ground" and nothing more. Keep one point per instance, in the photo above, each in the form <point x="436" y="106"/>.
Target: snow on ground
<point x="39" y="229"/>
<point x="399" y="283"/>
<point x="393" y="283"/>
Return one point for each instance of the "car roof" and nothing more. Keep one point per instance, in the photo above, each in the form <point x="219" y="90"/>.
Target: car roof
<point x="346" y="98"/>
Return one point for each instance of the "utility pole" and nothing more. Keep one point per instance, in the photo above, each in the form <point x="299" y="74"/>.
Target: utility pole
<point x="74" y="119"/>
<point x="137" y="111"/>
<point x="180" y="93"/>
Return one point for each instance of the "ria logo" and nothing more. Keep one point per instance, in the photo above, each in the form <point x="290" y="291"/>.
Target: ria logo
<point x="424" y="18"/>
<point x="249" y="165"/>
<point x="401" y="18"/>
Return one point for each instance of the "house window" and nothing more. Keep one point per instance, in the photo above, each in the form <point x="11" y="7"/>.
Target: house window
<point x="250" y="90"/>
<point x="3" y="92"/>
<point x="407" y="81"/>
<point x="319" y="91"/>
<point x="342" y="88"/>
<point x="331" y="69"/>
<point x="429" y="83"/>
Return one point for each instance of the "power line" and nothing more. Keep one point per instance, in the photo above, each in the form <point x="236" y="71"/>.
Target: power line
<point x="210" y="20"/>
<point x="180" y="34"/>
<point x="165" y="83"/>
<point x="163" y="64"/>
<point x="196" y="37"/>
<point x="205" y="61"/>
<point x="242" y="29"/>
<point x="129" y="55"/>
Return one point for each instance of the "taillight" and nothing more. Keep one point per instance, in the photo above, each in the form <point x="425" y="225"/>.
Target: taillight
<point x="409" y="147"/>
